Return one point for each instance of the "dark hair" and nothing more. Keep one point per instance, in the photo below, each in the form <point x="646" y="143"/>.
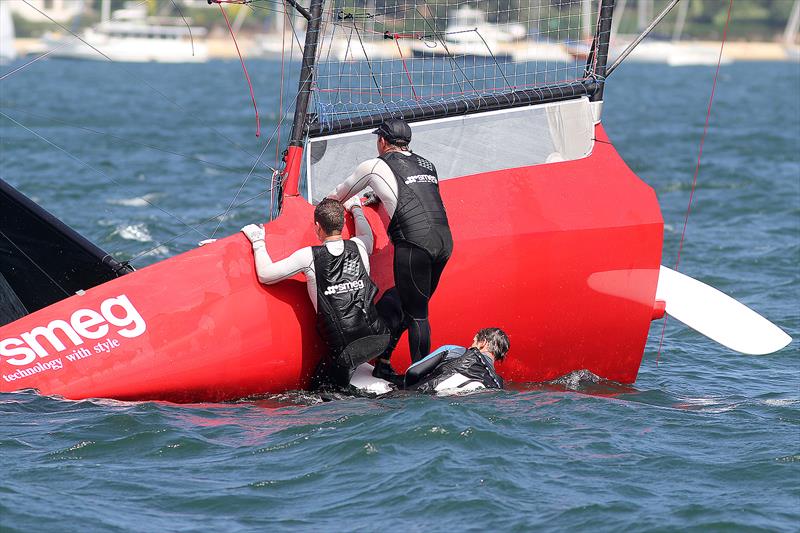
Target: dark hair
<point x="496" y="341"/>
<point x="399" y="143"/>
<point x="329" y="214"/>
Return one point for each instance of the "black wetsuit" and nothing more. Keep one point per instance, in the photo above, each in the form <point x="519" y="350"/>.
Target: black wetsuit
<point x="448" y="361"/>
<point x="347" y="319"/>
<point x="422" y="242"/>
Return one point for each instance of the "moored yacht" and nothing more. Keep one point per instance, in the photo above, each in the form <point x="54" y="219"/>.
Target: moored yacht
<point x="131" y="36"/>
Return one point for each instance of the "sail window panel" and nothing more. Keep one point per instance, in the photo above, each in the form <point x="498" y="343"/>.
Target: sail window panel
<point x="465" y="145"/>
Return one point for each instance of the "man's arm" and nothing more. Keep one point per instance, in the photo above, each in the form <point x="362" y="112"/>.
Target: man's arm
<point x="355" y="182"/>
<point x="363" y="229"/>
<point x="270" y="272"/>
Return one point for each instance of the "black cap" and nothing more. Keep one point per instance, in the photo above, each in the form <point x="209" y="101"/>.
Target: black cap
<point x="394" y="130"/>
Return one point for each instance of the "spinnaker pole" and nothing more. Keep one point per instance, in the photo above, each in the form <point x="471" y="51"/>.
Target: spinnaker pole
<point x="294" y="154"/>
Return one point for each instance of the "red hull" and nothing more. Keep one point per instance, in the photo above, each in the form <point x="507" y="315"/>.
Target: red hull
<point x="564" y="257"/>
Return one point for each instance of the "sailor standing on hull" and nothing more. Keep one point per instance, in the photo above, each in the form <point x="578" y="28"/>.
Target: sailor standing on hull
<point x="339" y="286"/>
<point x="408" y="187"/>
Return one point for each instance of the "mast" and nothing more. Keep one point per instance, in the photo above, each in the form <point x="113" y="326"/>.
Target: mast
<point x="598" y="56"/>
<point x="643" y="14"/>
<point x="677" y="31"/>
<point x="620" y="13"/>
<point x="294" y="153"/>
<point x="586" y="19"/>
<point x="790" y="33"/>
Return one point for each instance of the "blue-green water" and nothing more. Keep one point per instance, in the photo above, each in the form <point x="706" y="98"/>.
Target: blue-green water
<point x="706" y="439"/>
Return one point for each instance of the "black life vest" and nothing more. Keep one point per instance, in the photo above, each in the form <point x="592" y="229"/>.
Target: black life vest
<point x="420" y="210"/>
<point x="345" y="293"/>
<point x="470" y="363"/>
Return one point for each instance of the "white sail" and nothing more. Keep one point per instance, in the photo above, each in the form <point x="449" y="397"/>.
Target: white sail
<point x="8" y="51"/>
<point x="790" y="33"/>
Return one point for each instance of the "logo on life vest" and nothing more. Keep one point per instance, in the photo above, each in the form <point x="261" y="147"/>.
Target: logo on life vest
<point x="424" y="163"/>
<point x="351" y="266"/>
<point x="421" y="178"/>
<point x="347" y="286"/>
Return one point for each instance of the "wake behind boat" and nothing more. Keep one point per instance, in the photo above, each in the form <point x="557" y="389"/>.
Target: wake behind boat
<point x="578" y="239"/>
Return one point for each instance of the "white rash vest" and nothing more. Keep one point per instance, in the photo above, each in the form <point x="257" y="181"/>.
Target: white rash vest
<point x="373" y="173"/>
<point x="302" y="260"/>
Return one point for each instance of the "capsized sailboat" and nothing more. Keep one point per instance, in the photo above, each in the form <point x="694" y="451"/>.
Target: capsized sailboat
<point x="576" y="239"/>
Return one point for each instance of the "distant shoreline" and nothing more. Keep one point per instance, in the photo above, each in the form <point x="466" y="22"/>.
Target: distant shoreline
<point x="222" y="48"/>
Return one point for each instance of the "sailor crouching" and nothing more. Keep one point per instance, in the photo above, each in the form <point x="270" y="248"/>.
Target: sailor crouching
<point x="339" y="286"/>
<point x="408" y="188"/>
<point x="458" y="369"/>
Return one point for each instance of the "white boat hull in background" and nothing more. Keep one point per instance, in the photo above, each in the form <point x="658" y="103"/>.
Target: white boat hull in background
<point x="717" y="315"/>
<point x="128" y="49"/>
<point x="672" y="53"/>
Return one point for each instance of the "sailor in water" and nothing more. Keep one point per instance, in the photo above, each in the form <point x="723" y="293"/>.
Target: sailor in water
<point x="338" y="282"/>
<point x="408" y="187"/>
<point x="455" y="368"/>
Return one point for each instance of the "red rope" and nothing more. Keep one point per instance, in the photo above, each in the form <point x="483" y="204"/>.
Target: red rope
<point x="280" y="114"/>
<point x="697" y="165"/>
<point x="244" y="68"/>
<point x="399" y="51"/>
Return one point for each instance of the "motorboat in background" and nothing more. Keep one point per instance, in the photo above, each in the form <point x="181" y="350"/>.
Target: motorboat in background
<point x="130" y="35"/>
<point x="469" y="33"/>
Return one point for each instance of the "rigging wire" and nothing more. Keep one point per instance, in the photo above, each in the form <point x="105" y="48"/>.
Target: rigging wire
<point x="31" y="62"/>
<point x="287" y="13"/>
<point x="127" y="140"/>
<point x="34" y="263"/>
<point x="369" y="66"/>
<point x="252" y="169"/>
<point x="191" y="37"/>
<point x="244" y="68"/>
<point x="488" y="48"/>
<point x="145" y="82"/>
<point x="437" y="36"/>
<point x="697" y="164"/>
<point x="263" y="150"/>
<point x="98" y="171"/>
<point x="280" y="108"/>
<point x="221" y="214"/>
<point x="250" y="173"/>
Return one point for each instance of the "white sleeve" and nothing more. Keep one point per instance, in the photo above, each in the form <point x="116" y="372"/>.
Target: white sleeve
<point x="269" y="272"/>
<point x="355" y="182"/>
<point x="363" y="229"/>
<point x="363" y="251"/>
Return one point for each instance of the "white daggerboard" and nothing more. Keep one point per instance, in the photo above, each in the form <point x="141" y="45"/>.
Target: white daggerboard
<point x="718" y="316"/>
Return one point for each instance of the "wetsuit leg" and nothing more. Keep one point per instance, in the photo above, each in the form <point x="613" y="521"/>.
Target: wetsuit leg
<point x="390" y="309"/>
<point x="329" y="375"/>
<point x="413" y="278"/>
<point x="441" y="257"/>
